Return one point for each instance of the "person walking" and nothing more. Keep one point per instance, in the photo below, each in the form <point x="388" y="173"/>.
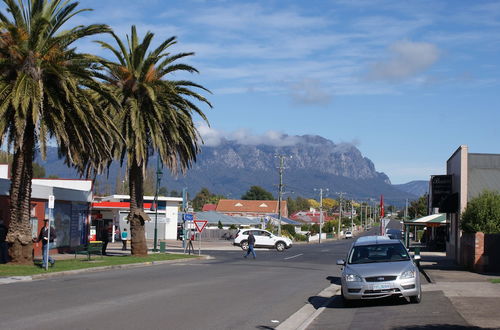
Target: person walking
<point x="45" y="239"/>
<point x="105" y="238"/>
<point x="124" y="239"/>
<point x="251" y="244"/>
<point x="4" y="256"/>
<point x="190" y="241"/>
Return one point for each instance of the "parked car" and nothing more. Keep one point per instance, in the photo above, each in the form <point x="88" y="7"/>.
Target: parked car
<point x="263" y="238"/>
<point x="378" y="267"/>
<point x="348" y="234"/>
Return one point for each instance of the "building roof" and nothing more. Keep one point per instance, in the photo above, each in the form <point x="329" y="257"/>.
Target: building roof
<point x="439" y="218"/>
<point x="286" y="220"/>
<point x="214" y="218"/>
<point x="256" y="206"/>
<point x="209" y="207"/>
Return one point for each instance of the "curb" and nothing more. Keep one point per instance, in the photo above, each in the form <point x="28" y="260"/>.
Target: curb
<point x="302" y="318"/>
<point x="427" y="277"/>
<point x="15" y="279"/>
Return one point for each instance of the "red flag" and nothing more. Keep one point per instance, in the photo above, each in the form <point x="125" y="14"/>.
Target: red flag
<point x="382" y="211"/>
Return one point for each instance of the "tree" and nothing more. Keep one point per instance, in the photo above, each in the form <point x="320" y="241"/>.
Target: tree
<point x="418" y="208"/>
<point x="48" y="92"/>
<point x="219" y="225"/>
<point x="38" y="171"/>
<point x="155" y="115"/>
<point x="329" y="203"/>
<point x="313" y="203"/>
<point x="204" y="196"/>
<point x="257" y="193"/>
<point x="163" y="191"/>
<point x="482" y="214"/>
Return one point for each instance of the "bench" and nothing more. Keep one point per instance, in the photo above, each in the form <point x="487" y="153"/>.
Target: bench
<point x="94" y="247"/>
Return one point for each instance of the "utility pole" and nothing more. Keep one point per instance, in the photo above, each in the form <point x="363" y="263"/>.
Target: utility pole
<point x="406" y="210"/>
<point x="158" y="181"/>
<point x="340" y="215"/>
<point x="280" y="190"/>
<point x="320" y="212"/>
<point x="352" y="211"/>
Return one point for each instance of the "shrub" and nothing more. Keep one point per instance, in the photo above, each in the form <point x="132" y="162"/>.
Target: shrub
<point x="300" y="238"/>
<point x="289" y="228"/>
<point x="482" y="214"/>
<point x="232" y="227"/>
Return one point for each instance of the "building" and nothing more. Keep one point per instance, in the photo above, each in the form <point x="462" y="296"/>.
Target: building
<point x="471" y="174"/>
<point x="251" y="208"/>
<point x="71" y="213"/>
<point x="113" y="210"/>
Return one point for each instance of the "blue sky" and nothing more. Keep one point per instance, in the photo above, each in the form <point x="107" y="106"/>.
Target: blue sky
<point x="407" y="82"/>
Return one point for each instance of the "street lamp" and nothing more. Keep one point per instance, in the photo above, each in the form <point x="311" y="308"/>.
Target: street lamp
<point x="158" y="180"/>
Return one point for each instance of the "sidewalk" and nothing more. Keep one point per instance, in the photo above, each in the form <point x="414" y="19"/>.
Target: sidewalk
<point x="474" y="297"/>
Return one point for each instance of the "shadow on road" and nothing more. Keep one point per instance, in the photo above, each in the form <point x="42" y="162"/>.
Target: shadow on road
<point x="439" y="327"/>
<point x="334" y="279"/>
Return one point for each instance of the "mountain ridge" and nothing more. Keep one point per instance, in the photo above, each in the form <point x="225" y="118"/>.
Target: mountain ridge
<point x="230" y="168"/>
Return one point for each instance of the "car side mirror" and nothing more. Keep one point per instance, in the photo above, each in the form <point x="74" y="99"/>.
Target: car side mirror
<point x="340" y="262"/>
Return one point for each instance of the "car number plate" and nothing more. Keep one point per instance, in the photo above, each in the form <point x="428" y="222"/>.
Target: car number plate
<point x="382" y="286"/>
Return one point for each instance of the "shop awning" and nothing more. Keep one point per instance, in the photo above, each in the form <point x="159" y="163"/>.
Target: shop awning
<point x="433" y="219"/>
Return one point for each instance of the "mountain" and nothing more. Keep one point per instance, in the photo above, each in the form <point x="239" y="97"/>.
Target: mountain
<point x="230" y="168"/>
<point x="417" y="188"/>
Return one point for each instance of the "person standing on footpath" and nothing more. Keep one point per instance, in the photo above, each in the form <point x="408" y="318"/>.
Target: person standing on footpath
<point x="44" y="238"/>
<point x="251" y="244"/>
<point x="4" y="256"/>
<point x="105" y="238"/>
<point x="124" y="239"/>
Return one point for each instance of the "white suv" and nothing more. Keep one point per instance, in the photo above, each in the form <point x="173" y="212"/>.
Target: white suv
<point x="263" y="238"/>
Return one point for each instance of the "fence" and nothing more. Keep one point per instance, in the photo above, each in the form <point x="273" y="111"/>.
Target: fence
<point x="479" y="252"/>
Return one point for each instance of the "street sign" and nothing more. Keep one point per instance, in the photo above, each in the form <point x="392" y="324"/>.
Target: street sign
<point x="200" y="224"/>
<point x="187" y="217"/>
<point x="51" y="201"/>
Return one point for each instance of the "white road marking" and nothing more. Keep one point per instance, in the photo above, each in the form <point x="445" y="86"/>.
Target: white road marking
<point x="298" y="255"/>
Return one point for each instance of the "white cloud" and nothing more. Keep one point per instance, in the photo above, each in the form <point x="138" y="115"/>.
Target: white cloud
<point x="310" y="92"/>
<point x="213" y="137"/>
<point x="407" y="60"/>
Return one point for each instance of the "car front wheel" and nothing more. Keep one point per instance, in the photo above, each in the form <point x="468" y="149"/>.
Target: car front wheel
<point x="244" y="245"/>
<point x="416" y="299"/>
<point x="280" y="246"/>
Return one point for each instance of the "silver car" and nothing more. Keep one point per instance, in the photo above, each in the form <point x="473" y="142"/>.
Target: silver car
<point x="378" y="267"/>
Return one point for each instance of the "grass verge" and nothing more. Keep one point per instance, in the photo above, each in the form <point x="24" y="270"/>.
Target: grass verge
<point x="495" y="280"/>
<point x="72" y="264"/>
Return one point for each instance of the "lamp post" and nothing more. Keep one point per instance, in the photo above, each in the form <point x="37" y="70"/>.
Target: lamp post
<point x="158" y="180"/>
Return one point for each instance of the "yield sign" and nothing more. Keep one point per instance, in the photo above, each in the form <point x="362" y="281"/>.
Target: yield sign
<point x="200" y="224"/>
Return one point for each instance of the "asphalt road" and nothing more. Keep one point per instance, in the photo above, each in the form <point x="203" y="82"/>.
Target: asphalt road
<point x="227" y="292"/>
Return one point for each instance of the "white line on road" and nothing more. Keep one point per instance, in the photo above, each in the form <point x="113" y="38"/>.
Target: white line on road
<point x="298" y="255"/>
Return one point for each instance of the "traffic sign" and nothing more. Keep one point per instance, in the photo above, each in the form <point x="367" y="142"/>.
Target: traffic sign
<point x="200" y="224"/>
<point x="51" y="201"/>
<point x="187" y="217"/>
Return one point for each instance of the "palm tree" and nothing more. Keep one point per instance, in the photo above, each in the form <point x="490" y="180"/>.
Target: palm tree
<point x="155" y="115"/>
<point x="47" y="92"/>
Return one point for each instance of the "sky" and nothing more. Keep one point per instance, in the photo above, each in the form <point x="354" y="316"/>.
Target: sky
<point x="407" y="82"/>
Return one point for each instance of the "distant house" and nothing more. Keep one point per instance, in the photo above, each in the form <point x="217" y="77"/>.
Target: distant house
<point x="251" y="208"/>
<point x="311" y="216"/>
<point x="209" y="207"/>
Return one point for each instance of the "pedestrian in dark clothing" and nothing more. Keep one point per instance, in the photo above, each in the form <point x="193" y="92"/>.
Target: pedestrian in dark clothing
<point x="4" y="255"/>
<point x="45" y="239"/>
<point x="124" y="239"/>
<point x="251" y="244"/>
<point x="105" y="239"/>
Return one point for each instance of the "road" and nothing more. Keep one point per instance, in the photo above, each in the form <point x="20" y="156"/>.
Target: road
<point x="227" y="292"/>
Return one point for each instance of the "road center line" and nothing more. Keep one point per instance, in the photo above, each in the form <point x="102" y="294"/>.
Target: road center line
<point x="298" y="255"/>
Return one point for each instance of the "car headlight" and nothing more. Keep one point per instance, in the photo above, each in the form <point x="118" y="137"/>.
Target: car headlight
<point x="408" y="274"/>
<point x="353" y="278"/>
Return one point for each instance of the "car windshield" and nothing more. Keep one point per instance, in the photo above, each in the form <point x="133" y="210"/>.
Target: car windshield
<point x="378" y="253"/>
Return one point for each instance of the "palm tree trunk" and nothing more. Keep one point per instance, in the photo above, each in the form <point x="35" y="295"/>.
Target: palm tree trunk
<point x="19" y="235"/>
<point x="137" y="216"/>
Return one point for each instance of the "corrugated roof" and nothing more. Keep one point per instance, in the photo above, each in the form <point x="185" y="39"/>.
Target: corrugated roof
<point x="214" y="217"/>
<point x="257" y="206"/>
<point x="433" y="218"/>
